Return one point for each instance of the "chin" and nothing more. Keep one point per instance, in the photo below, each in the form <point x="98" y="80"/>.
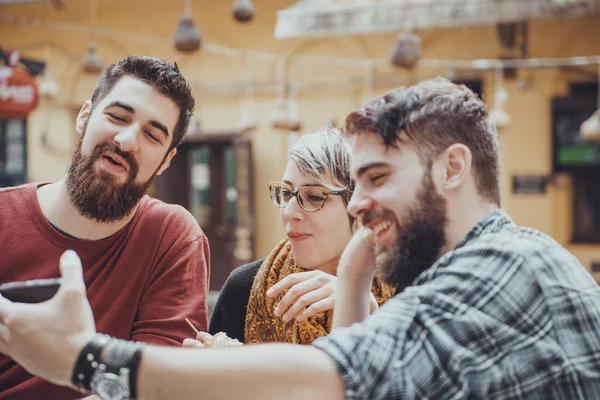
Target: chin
<point x="305" y="263"/>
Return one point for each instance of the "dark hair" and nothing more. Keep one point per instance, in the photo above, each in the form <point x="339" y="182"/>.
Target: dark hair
<point x="435" y="114"/>
<point x="162" y="76"/>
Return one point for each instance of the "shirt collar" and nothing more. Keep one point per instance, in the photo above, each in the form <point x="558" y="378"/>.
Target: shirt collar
<point x="492" y="222"/>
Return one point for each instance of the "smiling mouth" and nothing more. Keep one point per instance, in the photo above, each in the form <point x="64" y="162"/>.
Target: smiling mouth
<point x="380" y="229"/>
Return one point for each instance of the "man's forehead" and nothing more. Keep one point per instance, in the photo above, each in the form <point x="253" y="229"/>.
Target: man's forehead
<point x="130" y="87"/>
<point x="370" y="149"/>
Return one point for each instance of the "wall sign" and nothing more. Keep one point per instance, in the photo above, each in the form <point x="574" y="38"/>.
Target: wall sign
<point x="18" y="90"/>
<point x="529" y="184"/>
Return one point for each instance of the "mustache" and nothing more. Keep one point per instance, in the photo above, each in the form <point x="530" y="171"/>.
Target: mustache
<point x="378" y="213"/>
<point x="113" y="148"/>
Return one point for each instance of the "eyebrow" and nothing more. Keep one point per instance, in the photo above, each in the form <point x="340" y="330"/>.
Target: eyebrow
<point x="161" y="127"/>
<point x="377" y="164"/>
<point x="305" y="185"/>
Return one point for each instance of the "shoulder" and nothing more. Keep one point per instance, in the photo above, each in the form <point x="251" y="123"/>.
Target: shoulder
<point x="511" y="261"/>
<point x="169" y="218"/>
<point x="243" y="277"/>
<point x="15" y="191"/>
<point x="510" y="245"/>
<point x="14" y="199"/>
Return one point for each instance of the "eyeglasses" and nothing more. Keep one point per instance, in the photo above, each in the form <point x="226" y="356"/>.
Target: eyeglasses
<point x="311" y="199"/>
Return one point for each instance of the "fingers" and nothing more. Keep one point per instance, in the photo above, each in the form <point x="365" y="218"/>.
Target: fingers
<point x="4" y="333"/>
<point x="203" y="337"/>
<point x="72" y="272"/>
<point x="191" y="343"/>
<point x="299" y="290"/>
<point x="5" y="307"/>
<point x="289" y="281"/>
<point x="318" y="307"/>
<point x="308" y="300"/>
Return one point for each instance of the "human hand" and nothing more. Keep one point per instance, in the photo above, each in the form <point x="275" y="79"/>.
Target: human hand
<point x="358" y="259"/>
<point x="46" y="338"/>
<point x="311" y="291"/>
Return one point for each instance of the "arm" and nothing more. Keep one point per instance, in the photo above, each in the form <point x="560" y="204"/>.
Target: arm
<point x="355" y="276"/>
<point x="273" y="371"/>
<point x="47" y="338"/>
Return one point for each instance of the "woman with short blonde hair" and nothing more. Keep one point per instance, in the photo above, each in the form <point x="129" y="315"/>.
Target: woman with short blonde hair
<point x="289" y="296"/>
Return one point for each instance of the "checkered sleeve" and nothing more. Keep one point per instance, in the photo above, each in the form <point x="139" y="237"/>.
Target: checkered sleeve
<point x="363" y="353"/>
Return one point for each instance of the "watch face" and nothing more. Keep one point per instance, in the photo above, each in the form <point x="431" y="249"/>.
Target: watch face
<point x="110" y="387"/>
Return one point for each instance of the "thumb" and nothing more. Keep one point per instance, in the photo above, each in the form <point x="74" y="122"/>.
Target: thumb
<point x="71" y="271"/>
<point x="369" y="235"/>
<point x="364" y="233"/>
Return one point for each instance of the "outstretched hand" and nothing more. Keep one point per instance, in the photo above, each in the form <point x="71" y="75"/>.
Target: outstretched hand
<point x="46" y="338"/>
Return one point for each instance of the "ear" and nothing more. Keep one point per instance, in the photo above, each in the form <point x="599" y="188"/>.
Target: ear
<point x="457" y="164"/>
<point x="167" y="161"/>
<point x="82" y="117"/>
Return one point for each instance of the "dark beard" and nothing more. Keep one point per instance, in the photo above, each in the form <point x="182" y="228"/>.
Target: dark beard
<point x="97" y="194"/>
<point x="421" y="237"/>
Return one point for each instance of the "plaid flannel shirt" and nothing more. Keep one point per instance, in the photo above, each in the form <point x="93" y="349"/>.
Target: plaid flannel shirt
<point x="508" y="314"/>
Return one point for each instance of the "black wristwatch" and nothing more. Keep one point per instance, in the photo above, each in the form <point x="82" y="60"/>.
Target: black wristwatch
<point x="108" y="367"/>
<point x="111" y="378"/>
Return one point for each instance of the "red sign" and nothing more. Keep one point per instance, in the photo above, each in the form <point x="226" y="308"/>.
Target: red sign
<point x="18" y="90"/>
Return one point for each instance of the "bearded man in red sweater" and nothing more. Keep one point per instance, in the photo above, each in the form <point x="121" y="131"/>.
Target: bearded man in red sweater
<point x="146" y="262"/>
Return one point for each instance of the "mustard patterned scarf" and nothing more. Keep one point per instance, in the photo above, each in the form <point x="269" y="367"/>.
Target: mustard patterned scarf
<point x="261" y="323"/>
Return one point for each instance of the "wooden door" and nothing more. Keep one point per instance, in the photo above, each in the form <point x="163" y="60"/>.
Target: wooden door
<point x="211" y="176"/>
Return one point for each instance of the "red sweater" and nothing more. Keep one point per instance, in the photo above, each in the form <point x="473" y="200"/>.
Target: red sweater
<point x="142" y="282"/>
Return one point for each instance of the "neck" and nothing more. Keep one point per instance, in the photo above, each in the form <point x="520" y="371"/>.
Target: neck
<point x="330" y="267"/>
<point x="57" y="208"/>
<point x="462" y="219"/>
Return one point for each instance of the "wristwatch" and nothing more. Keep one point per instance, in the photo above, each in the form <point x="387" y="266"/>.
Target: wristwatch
<point x="108" y="367"/>
<point x="111" y="378"/>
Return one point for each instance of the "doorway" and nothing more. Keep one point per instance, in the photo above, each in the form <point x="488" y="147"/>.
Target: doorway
<point x="211" y="176"/>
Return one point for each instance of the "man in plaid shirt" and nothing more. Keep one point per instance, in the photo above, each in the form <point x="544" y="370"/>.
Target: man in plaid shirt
<point x="485" y="308"/>
<point x="489" y="309"/>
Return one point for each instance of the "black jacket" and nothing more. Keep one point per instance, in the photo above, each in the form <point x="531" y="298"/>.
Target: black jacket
<point x="229" y="314"/>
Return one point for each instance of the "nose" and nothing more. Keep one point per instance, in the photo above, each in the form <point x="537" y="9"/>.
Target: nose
<point x="359" y="202"/>
<point x="292" y="211"/>
<point x="127" y="138"/>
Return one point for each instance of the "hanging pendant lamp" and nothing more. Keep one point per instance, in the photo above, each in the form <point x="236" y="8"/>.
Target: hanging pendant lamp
<point x="187" y="36"/>
<point x="243" y="10"/>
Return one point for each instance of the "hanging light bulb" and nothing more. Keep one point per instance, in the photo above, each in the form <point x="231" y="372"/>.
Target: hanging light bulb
<point x="279" y="116"/>
<point x="48" y="87"/>
<point x="243" y="10"/>
<point x="294" y="124"/>
<point x="407" y="51"/>
<point x="187" y="36"/>
<point x="92" y="63"/>
<point x="590" y="129"/>
<point x="247" y="122"/>
<point x="498" y="116"/>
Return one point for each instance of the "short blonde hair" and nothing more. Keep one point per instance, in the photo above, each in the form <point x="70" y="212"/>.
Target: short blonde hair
<point x="325" y="156"/>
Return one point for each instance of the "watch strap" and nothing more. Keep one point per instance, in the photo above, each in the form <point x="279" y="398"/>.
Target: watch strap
<point x="88" y="360"/>
<point x="136" y="358"/>
<point x="117" y="356"/>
